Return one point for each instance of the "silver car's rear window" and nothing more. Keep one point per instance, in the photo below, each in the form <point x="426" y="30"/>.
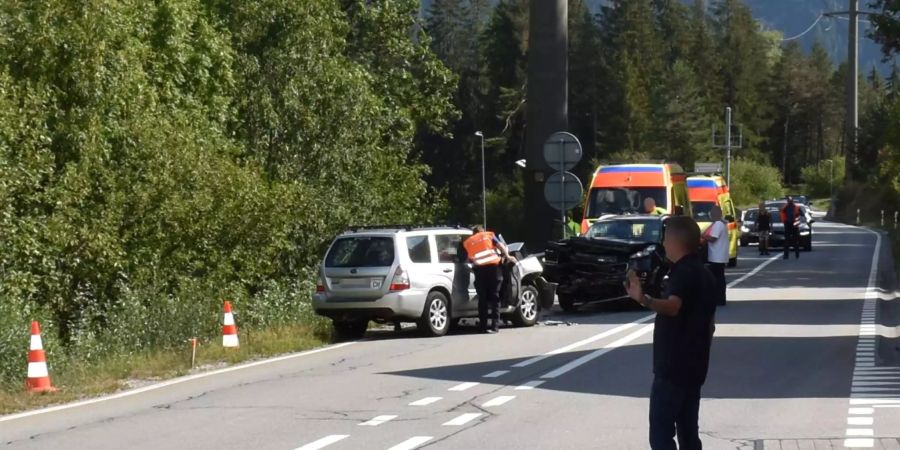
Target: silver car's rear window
<point x="361" y="251"/>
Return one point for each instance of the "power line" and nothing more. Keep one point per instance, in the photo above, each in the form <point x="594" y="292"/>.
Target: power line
<point x="818" y="19"/>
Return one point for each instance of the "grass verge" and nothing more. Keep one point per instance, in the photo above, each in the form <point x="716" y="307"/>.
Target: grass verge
<point x="109" y="375"/>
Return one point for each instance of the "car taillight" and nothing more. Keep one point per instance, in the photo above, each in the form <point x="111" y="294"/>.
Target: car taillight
<point x="320" y="286"/>
<point x="400" y="282"/>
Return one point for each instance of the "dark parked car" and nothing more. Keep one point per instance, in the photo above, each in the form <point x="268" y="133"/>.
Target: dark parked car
<point x="750" y="234"/>
<point x="592" y="268"/>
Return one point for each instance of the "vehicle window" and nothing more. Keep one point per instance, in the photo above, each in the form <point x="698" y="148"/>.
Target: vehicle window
<point x="702" y="211"/>
<point x="627" y="230"/>
<point x="419" y="249"/>
<point x="623" y="200"/>
<point x="728" y="210"/>
<point x="448" y="247"/>
<point x="750" y="216"/>
<point x="361" y="251"/>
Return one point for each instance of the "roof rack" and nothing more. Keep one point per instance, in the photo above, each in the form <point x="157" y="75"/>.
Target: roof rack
<point x="404" y="227"/>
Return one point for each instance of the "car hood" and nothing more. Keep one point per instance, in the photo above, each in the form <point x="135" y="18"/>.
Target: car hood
<point x="604" y="246"/>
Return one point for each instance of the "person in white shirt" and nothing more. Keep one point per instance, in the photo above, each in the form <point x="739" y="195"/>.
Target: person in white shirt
<point x="716" y="239"/>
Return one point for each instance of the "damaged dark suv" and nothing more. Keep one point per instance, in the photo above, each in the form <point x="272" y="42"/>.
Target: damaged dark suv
<point x="592" y="268"/>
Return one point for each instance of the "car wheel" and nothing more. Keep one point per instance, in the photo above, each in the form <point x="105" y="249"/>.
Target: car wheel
<point x="808" y="246"/>
<point x="435" y="319"/>
<point x="732" y="262"/>
<point x="527" y="311"/>
<point x="348" y="330"/>
<point x="566" y="302"/>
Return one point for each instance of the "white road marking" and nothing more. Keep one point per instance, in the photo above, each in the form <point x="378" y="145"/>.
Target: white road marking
<point x="530" y="385"/>
<point x="496" y="374"/>
<point x="463" y="386"/>
<point x="597" y="353"/>
<point x="426" y="401"/>
<point x="378" y="421"/>
<point x="859" y="443"/>
<point x="865" y="358"/>
<point x="462" y="420"/>
<point x="497" y="401"/>
<point x="584" y="342"/>
<point x="171" y="382"/>
<point x="860" y="421"/>
<point x="860" y="432"/>
<point x="753" y="272"/>
<point x="324" y="442"/>
<point x="411" y="443"/>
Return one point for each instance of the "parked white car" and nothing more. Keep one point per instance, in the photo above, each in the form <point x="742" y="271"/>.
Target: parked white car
<point x="408" y="274"/>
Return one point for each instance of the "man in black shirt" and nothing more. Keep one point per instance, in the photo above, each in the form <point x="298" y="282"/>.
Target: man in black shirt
<point x="682" y="336"/>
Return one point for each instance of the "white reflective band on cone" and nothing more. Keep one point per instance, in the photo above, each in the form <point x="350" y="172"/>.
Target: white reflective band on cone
<point x="229" y="319"/>
<point x="230" y="340"/>
<point x="36" y="343"/>
<point x="37" y="370"/>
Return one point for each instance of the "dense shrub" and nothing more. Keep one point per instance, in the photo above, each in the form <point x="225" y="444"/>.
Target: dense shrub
<point x="752" y="181"/>
<point x="819" y="178"/>
<point x="159" y="157"/>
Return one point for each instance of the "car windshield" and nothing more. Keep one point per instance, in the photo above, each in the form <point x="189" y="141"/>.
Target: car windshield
<point x="361" y="251"/>
<point x="754" y="213"/>
<point x="702" y="211"/>
<point x="623" y="200"/>
<point x="649" y="230"/>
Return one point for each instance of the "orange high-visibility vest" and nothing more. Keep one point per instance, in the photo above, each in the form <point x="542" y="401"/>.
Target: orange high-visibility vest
<point x="796" y="213"/>
<point x="481" y="249"/>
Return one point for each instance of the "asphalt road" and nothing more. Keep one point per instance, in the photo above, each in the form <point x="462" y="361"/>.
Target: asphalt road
<point x="784" y="358"/>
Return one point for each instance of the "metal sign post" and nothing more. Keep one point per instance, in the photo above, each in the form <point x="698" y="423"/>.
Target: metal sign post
<point x="561" y="152"/>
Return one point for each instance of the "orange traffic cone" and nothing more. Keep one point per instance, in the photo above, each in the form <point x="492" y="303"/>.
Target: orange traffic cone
<point x="38" y="376"/>
<point x="229" y="329"/>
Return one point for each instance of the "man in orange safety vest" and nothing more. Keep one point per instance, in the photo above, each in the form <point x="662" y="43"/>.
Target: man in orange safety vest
<point x="486" y="253"/>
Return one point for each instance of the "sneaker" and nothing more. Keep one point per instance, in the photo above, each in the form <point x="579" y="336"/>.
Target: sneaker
<point x="491" y="331"/>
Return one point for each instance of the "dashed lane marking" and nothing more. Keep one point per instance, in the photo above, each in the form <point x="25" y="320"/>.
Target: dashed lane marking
<point x="324" y="442"/>
<point x="462" y="420"/>
<point x="378" y="421"/>
<point x="411" y="443"/>
<point x="530" y="385"/>
<point x="498" y="401"/>
<point x="862" y="385"/>
<point x="463" y="386"/>
<point x="496" y="374"/>
<point x="426" y="401"/>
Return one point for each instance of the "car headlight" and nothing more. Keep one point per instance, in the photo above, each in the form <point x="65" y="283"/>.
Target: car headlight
<point x="804" y="233"/>
<point x="745" y="229"/>
<point x="645" y="252"/>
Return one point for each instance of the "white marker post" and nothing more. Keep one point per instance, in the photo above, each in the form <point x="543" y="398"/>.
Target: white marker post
<point x="895" y="219"/>
<point x="857" y="216"/>
<point x="882" y="218"/>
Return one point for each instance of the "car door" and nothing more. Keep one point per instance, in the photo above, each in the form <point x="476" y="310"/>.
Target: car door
<point x="733" y="229"/>
<point x="454" y="268"/>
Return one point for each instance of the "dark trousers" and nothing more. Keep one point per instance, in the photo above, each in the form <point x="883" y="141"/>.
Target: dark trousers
<point x="718" y="271"/>
<point x="674" y="410"/>
<point x="791" y="237"/>
<point x="487" y="285"/>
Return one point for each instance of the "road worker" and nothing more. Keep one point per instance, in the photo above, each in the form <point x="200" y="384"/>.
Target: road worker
<point x="486" y="252"/>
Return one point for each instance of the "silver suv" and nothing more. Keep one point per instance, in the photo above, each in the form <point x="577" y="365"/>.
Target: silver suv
<point x="406" y="274"/>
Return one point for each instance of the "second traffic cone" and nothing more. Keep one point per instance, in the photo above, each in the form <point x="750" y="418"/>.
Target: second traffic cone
<point x="38" y="376"/>
<point x="229" y="329"/>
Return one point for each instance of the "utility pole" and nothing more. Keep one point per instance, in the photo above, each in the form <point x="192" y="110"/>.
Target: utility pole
<point x="852" y="154"/>
<point x="853" y="92"/>
<point x="729" y="144"/>
<point x="547" y="110"/>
